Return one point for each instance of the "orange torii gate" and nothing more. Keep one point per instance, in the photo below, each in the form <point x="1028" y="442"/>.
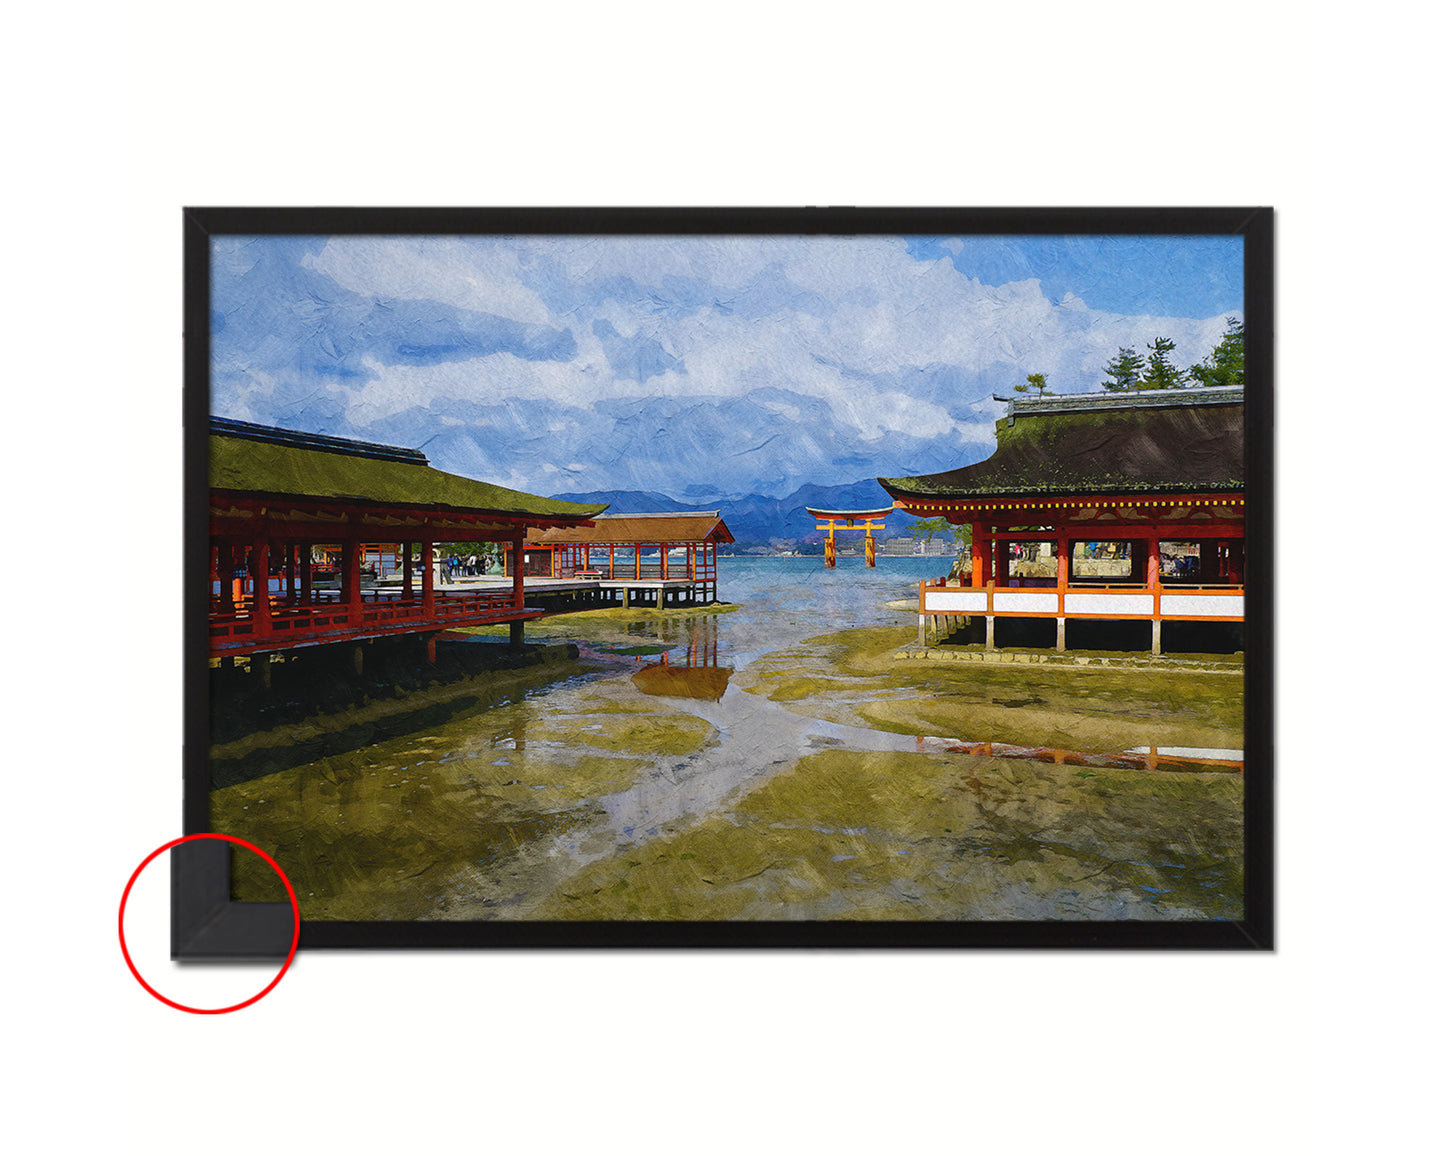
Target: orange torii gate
<point x="830" y="520"/>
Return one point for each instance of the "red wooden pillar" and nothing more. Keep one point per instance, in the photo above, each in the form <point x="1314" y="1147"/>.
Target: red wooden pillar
<point x="1061" y="569"/>
<point x="518" y="592"/>
<point x="518" y="596"/>
<point x="305" y="550"/>
<point x="225" y="577"/>
<point x="611" y="562"/>
<point x="351" y="579"/>
<point x="428" y="584"/>
<point x="662" y="555"/>
<point x="637" y="560"/>
<point x="1151" y="577"/>
<point x="261" y="587"/>
<point x="975" y="555"/>
<point x="291" y="573"/>
<point x="406" y="571"/>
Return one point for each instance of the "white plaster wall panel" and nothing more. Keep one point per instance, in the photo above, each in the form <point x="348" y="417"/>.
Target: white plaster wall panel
<point x="1109" y="604"/>
<point x="1202" y="605"/>
<point x="1018" y="603"/>
<point x="956" y="601"/>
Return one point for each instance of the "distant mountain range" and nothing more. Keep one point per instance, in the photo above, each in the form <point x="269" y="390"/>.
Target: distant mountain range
<point x="758" y="521"/>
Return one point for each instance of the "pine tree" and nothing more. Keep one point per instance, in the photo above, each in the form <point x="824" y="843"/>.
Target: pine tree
<point x="1124" y="370"/>
<point x="1033" y="381"/>
<point x="1159" y="371"/>
<point x="1225" y="365"/>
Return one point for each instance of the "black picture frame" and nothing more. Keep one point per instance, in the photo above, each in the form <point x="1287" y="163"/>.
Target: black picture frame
<point x="207" y="924"/>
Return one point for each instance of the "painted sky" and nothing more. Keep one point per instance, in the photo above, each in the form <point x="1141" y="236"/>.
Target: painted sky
<point x="701" y="368"/>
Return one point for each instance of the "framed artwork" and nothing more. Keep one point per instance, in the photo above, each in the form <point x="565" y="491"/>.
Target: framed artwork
<point x="728" y="578"/>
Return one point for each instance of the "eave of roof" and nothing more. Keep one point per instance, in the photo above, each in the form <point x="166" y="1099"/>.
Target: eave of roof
<point x="246" y="464"/>
<point x="629" y="529"/>
<point x="1187" y="441"/>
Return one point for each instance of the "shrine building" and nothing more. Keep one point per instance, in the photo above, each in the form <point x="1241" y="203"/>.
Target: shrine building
<point x="659" y="556"/>
<point x="1098" y="508"/>
<point x="280" y="500"/>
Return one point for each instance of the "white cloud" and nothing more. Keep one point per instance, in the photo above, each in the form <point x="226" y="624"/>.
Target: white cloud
<point x="455" y="271"/>
<point x="862" y="308"/>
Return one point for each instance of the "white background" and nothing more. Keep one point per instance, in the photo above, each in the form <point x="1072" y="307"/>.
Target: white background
<point x="120" y="115"/>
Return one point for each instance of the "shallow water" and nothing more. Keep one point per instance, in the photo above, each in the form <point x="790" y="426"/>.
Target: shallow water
<point x="667" y="745"/>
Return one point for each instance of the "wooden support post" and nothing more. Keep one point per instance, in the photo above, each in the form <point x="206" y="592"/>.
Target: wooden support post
<point x="431" y="648"/>
<point x="988" y="632"/>
<point x="428" y="578"/>
<point x="225" y="579"/>
<point x="351" y="582"/>
<point x="358" y="663"/>
<point x="870" y="550"/>
<point x="518" y="579"/>
<point x="261" y="587"/>
<point x="406" y="571"/>
<point x="975" y="555"/>
<point x="1061" y="573"/>
<point x="1152" y="578"/>
<point x="291" y="573"/>
<point x="305" y="549"/>
<point x="662" y="556"/>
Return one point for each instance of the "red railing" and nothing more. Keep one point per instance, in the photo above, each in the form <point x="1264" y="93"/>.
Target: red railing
<point x="238" y="630"/>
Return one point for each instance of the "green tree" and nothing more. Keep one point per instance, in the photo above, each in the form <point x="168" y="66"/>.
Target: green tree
<point x="1033" y="381"/>
<point x="1159" y="371"/>
<point x="926" y="528"/>
<point x="1225" y="365"/>
<point x="1124" y="371"/>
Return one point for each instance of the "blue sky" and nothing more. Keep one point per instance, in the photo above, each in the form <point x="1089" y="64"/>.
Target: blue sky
<point x="705" y="367"/>
<point x="1198" y="277"/>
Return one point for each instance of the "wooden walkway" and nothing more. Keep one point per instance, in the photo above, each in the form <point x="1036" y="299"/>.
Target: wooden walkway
<point x="385" y="610"/>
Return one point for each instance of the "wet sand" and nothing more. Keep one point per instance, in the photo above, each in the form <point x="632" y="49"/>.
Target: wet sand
<point x="824" y="781"/>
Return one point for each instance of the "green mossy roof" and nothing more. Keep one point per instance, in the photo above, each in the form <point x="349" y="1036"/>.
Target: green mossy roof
<point x="246" y="465"/>
<point x="1184" y="448"/>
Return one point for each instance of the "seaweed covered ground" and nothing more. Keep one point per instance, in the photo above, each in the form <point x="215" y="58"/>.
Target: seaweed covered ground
<point x="824" y="779"/>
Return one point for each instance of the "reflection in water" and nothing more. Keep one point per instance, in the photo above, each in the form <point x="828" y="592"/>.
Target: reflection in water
<point x="697" y="676"/>
<point x="1197" y="759"/>
<point x="584" y="793"/>
<point x="682" y="681"/>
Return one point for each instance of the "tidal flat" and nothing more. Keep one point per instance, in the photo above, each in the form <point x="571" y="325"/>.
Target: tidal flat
<point x="706" y="766"/>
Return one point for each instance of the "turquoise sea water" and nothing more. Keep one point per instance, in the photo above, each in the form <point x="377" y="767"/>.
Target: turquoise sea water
<point x="782" y="601"/>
